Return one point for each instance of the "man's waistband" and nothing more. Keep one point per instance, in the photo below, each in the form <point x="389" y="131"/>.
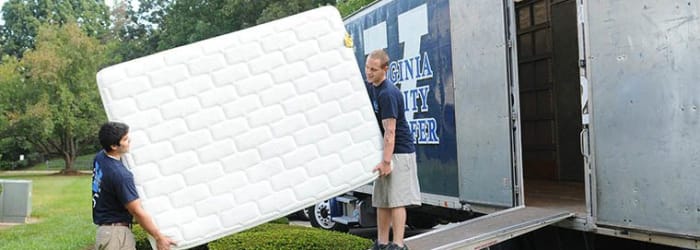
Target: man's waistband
<point x="120" y="224"/>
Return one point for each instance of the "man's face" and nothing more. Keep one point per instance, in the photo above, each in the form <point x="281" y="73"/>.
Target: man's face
<point x="375" y="71"/>
<point x="123" y="147"/>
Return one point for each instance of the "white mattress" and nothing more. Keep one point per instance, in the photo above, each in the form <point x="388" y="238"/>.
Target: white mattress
<point x="237" y="130"/>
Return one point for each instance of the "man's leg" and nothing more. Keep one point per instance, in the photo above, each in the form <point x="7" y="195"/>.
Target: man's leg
<point x="383" y="223"/>
<point x="398" y="215"/>
<point x="103" y="238"/>
<point x="110" y="238"/>
<point x="130" y="239"/>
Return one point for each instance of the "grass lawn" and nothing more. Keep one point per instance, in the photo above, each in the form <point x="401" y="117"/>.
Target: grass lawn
<point x="62" y="206"/>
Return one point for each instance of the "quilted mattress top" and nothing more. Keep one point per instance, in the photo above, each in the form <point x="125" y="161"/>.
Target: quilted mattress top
<point x="240" y="129"/>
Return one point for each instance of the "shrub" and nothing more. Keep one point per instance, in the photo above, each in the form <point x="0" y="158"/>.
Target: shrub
<point x="141" y="238"/>
<point x="283" y="220"/>
<point x="277" y="236"/>
<point x="142" y="242"/>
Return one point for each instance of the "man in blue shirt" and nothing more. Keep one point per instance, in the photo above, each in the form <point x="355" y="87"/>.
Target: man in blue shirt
<point x="114" y="198"/>
<point x="397" y="185"/>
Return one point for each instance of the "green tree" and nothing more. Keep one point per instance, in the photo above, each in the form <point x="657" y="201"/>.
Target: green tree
<point x="279" y="9"/>
<point x="53" y="97"/>
<point x="347" y="7"/>
<point x="136" y="30"/>
<point x="189" y="21"/>
<point x="163" y="24"/>
<point x="11" y="146"/>
<point x="23" y="18"/>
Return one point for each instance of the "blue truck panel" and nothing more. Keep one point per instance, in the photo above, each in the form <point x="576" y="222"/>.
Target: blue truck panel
<point x="416" y="35"/>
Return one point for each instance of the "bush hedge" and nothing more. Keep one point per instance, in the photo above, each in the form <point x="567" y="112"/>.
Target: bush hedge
<point x="277" y="234"/>
<point x="142" y="242"/>
<point x="141" y="238"/>
<point x="289" y="237"/>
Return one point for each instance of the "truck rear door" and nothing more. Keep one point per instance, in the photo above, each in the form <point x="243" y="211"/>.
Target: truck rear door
<point x="642" y="61"/>
<point x="486" y="102"/>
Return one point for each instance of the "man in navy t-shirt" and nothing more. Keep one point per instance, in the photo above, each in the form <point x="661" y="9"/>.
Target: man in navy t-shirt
<point x="114" y="198"/>
<point x="397" y="185"/>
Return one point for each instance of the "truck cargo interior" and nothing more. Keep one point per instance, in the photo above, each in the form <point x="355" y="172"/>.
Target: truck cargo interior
<point x="550" y="103"/>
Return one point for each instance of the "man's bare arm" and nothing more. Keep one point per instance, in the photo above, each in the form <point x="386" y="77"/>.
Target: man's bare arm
<point x="384" y="167"/>
<point x="147" y="224"/>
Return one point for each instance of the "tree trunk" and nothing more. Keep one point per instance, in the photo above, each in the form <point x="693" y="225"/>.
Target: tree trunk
<point x="69" y="153"/>
<point x="69" y="159"/>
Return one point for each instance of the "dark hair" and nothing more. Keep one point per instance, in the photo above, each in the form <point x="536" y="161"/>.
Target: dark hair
<point x="111" y="133"/>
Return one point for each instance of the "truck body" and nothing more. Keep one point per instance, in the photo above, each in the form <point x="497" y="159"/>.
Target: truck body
<point x="583" y="105"/>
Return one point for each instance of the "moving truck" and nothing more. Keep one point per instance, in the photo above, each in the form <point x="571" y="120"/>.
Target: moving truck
<point x="584" y="106"/>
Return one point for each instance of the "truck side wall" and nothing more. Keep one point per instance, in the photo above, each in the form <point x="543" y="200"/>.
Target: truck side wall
<point x="416" y="35"/>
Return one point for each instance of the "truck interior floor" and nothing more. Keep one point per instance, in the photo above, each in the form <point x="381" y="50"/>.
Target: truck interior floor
<point x="565" y="195"/>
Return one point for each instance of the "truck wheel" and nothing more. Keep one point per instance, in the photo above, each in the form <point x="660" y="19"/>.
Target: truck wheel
<point x="299" y="215"/>
<point x="304" y="213"/>
<point x="320" y="217"/>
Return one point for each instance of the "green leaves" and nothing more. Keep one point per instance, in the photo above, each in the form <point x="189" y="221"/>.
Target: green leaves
<point x="347" y="7"/>
<point x="23" y="19"/>
<point x="279" y="9"/>
<point x="161" y="24"/>
<point x="278" y="236"/>
<point x="50" y="96"/>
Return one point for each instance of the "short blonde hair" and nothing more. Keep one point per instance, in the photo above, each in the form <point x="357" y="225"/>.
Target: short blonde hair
<point x="381" y="55"/>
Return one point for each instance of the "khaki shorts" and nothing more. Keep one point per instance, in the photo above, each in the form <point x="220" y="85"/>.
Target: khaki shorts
<point x="114" y="238"/>
<point x="400" y="188"/>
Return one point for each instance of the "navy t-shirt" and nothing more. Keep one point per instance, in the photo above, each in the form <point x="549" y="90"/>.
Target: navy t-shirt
<point x="387" y="101"/>
<point x="112" y="188"/>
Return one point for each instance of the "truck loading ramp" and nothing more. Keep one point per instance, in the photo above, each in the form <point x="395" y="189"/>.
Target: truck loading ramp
<point x="488" y="230"/>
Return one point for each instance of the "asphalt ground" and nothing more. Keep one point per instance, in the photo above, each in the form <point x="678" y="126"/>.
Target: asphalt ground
<point x="368" y="233"/>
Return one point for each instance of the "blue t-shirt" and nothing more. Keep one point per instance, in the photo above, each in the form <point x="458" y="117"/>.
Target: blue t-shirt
<point x="387" y="101"/>
<point x="112" y="188"/>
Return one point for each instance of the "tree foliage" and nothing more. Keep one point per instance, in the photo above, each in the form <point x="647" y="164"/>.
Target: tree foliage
<point x="23" y="18"/>
<point x="136" y="30"/>
<point x="10" y="79"/>
<point x="50" y="97"/>
<point x="347" y="7"/>
<point x="158" y="25"/>
<point x="279" y="9"/>
<point x="188" y="21"/>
